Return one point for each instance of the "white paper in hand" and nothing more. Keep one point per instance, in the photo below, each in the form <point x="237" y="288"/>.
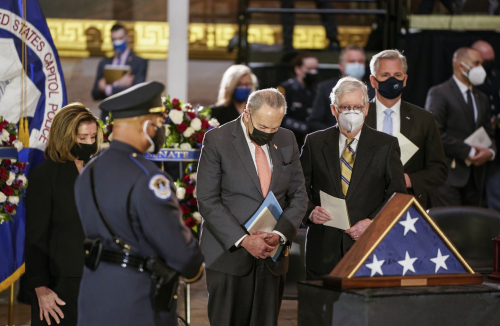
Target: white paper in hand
<point x="265" y="222"/>
<point x="408" y="149"/>
<point x="338" y="209"/>
<point x="479" y="138"/>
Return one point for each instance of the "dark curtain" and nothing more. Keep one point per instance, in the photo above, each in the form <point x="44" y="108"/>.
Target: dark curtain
<point x="429" y="55"/>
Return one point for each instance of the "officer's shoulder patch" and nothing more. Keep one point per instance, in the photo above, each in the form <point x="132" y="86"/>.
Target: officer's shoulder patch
<point x="160" y="185"/>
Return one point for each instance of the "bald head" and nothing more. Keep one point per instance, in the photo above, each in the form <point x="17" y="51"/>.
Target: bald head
<point x="485" y="49"/>
<point x="470" y="57"/>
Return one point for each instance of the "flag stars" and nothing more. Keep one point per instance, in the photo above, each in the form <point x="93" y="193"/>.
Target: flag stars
<point x="376" y="266"/>
<point x="407" y="263"/>
<point x="409" y="223"/>
<point x="440" y="261"/>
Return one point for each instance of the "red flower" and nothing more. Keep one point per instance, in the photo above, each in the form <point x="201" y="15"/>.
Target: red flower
<point x="23" y="165"/>
<point x="17" y="184"/>
<point x="175" y="102"/>
<point x="182" y="127"/>
<point x="9" y="208"/>
<point x="201" y="135"/>
<point x="186" y="178"/>
<point x="8" y="191"/>
<point x="191" y="115"/>
<point x="193" y="202"/>
<point x="7" y="163"/>
<point x="189" y="189"/>
<point x="12" y="138"/>
<point x="1" y="127"/>
<point x="190" y="222"/>
<point x="5" y="123"/>
<point x="204" y="124"/>
<point x="105" y="137"/>
<point x="185" y="209"/>
<point x="3" y="171"/>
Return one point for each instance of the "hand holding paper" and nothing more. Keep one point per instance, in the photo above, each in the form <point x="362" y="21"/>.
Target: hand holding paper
<point x="338" y="210"/>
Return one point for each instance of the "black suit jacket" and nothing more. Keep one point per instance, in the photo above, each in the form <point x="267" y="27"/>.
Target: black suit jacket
<point x="139" y="68"/>
<point x="377" y="174"/>
<point x="229" y="193"/>
<point x="455" y="123"/>
<point x="54" y="233"/>
<point x="225" y="113"/>
<point x="427" y="168"/>
<point x="321" y="116"/>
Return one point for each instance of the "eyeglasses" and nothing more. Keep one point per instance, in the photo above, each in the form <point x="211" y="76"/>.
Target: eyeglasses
<point x="345" y="108"/>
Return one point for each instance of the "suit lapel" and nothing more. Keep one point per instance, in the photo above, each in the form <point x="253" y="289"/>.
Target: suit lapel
<point x="406" y="119"/>
<point x="277" y="160"/>
<point x="331" y="153"/>
<point x="457" y="94"/>
<point x="371" y="118"/>
<point x="241" y="146"/>
<point x="364" y="153"/>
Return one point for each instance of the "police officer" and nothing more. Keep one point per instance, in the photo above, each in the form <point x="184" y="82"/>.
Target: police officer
<point x="299" y="93"/>
<point x="137" y="202"/>
<point x="491" y="87"/>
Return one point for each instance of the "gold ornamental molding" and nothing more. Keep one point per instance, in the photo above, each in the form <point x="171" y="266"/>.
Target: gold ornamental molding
<point x="84" y="38"/>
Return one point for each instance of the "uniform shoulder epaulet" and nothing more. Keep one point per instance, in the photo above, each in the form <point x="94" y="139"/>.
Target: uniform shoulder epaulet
<point x="135" y="158"/>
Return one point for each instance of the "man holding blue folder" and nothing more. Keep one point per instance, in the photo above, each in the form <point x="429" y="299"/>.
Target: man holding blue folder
<point x="244" y="163"/>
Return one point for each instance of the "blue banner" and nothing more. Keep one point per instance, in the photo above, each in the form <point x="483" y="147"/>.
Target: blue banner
<point x="45" y="94"/>
<point x="175" y="155"/>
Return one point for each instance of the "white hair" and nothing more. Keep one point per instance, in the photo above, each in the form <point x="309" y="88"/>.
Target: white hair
<point x="387" y="54"/>
<point x="270" y="96"/>
<point x="348" y="85"/>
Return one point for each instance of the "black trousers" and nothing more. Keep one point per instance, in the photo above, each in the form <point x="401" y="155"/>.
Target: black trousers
<point x="250" y="300"/>
<point x="67" y="289"/>
<point x="469" y="195"/>
<point x="288" y="22"/>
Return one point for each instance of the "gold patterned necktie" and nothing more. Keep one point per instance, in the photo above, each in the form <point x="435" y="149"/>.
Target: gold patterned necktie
<point x="346" y="166"/>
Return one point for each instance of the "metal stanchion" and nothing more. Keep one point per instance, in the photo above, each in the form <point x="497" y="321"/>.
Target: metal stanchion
<point x="187" y="302"/>
<point x="11" y="306"/>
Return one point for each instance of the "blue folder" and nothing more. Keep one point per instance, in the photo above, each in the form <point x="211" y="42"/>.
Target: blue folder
<point x="274" y="207"/>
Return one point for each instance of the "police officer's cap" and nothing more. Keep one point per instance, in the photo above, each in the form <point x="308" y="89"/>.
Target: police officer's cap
<point x="141" y="99"/>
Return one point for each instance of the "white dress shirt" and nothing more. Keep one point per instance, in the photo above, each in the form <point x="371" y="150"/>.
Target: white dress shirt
<point x="395" y="115"/>
<point x="251" y="146"/>
<point x="463" y="89"/>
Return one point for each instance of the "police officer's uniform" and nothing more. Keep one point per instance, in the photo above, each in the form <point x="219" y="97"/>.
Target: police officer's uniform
<point x="299" y="101"/>
<point x="138" y="202"/>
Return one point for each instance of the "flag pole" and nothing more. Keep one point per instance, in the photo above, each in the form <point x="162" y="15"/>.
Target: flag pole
<point x="11" y="306"/>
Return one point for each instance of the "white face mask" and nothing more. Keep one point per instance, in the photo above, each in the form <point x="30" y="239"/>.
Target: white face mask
<point x="144" y="130"/>
<point x="476" y="75"/>
<point x="351" y="120"/>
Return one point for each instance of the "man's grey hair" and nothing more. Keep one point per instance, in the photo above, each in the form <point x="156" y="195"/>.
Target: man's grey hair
<point x="350" y="48"/>
<point x="348" y="85"/>
<point x="269" y="96"/>
<point x="387" y="54"/>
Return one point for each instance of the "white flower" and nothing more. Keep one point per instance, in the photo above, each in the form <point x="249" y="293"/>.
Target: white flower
<point x="13" y="160"/>
<point x="186" y="106"/>
<point x="196" y="124"/>
<point x="189" y="131"/>
<point x="5" y="135"/>
<point x="14" y="200"/>
<point x="3" y="198"/>
<point x="185" y="146"/>
<point x="110" y="137"/>
<point x="23" y="179"/>
<point x="167" y="130"/>
<point x="197" y="216"/>
<point x="194" y="192"/>
<point x="176" y="145"/>
<point x="214" y="122"/>
<point x="180" y="193"/>
<point x="17" y="144"/>
<point x="193" y="176"/>
<point x="176" y="116"/>
<point x="12" y="177"/>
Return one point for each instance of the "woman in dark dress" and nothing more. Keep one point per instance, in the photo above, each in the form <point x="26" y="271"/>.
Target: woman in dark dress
<point x="236" y="85"/>
<point x="54" y="234"/>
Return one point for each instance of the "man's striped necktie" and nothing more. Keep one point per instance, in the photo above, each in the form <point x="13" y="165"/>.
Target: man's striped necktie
<point x="347" y="164"/>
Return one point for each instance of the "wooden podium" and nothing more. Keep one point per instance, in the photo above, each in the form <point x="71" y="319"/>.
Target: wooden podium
<point x="348" y="274"/>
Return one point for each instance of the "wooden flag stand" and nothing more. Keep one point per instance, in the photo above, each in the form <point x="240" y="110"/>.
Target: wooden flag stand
<point x="342" y="276"/>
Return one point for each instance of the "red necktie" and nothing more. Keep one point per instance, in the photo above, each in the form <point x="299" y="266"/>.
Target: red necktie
<point x="263" y="169"/>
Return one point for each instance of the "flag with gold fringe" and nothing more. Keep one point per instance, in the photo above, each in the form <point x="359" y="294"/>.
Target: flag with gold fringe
<point x="32" y="89"/>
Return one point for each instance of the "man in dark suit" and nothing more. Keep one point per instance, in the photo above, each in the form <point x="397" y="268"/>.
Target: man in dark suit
<point x="352" y="62"/>
<point x="123" y="57"/>
<point x="240" y="163"/>
<point x="351" y="161"/>
<point x="459" y="110"/>
<point x="426" y="170"/>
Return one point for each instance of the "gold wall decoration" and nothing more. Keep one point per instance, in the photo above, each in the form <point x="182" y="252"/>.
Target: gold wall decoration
<point x="84" y="38"/>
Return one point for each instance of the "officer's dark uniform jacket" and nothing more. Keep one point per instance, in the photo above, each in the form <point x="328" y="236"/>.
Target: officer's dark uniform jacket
<point x="138" y="201"/>
<point x="299" y="101"/>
